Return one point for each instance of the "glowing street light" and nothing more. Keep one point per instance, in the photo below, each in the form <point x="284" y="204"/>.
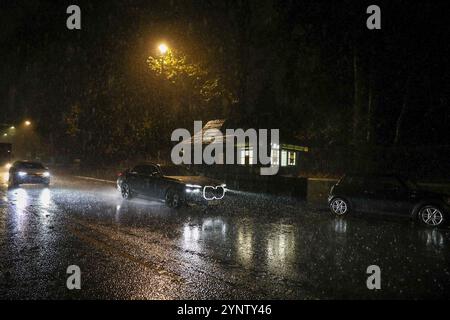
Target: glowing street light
<point x="5" y="134"/>
<point x="27" y="123"/>
<point x="12" y="127"/>
<point x="163" y="48"/>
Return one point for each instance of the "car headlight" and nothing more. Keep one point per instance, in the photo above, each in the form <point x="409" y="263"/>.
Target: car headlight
<point x="195" y="186"/>
<point x="21" y="173"/>
<point x="46" y="174"/>
<point x="223" y="185"/>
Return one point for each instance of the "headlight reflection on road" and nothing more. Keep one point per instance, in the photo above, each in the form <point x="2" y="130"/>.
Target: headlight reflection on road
<point x="45" y="198"/>
<point x="191" y="235"/>
<point x="212" y="226"/>
<point x="117" y="215"/>
<point x="19" y="198"/>
<point x="281" y="248"/>
<point x="245" y="244"/>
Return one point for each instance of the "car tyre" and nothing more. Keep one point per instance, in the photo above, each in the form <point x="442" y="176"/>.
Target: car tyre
<point x="339" y="206"/>
<point x="125" y="191"/>
<point x="431" y="216"/>
<point x="173" y="199"/>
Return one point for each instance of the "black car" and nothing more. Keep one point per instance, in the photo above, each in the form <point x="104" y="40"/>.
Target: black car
<point x="24" y="172"/>
<point x="388" y="194"/>
<point x="176" y="185"/>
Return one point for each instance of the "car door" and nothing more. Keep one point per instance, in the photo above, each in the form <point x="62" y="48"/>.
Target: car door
<point x="150" y="180"/>
<point x="396" y="196"/>
<point x="386" y="195"/>
<point x="159" y="183"/>
<point x="135" y="179"/>
<point x="353" y="190"/>
<point x="369" y="197"/>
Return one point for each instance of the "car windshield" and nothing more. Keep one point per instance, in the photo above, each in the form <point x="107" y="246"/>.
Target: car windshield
<point x="30" y="165"/>
<point x="176" y="171"/>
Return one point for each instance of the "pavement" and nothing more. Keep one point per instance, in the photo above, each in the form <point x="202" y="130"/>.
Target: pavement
<point x="248" y="247"/>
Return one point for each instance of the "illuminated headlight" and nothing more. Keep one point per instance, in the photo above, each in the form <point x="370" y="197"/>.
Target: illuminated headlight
<point x="223" y="185"/>
<point x="194" y="186"/>
<point x="46" y="174"/>
<point x="189" y="190"/>
<point x="21" y="173"/>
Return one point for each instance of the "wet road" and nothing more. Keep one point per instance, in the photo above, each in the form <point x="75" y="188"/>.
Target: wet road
<point x="251" y="247"/>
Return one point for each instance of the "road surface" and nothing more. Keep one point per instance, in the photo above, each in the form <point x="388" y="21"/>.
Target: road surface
<point x="250" y="247"/>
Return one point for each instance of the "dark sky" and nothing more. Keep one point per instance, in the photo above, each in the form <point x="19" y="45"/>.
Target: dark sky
<point x="45" y="67"/>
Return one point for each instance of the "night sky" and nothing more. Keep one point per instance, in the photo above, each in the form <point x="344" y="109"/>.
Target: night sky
<point x="287" y="63"/>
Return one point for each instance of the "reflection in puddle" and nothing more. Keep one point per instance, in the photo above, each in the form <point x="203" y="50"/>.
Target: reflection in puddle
<point x="281" y="248"/>
<point x="191" y="234"/>
<point x="214" y="226"/>
<point x="245" y="244"/>
<point x="45" y="198"/>
<point x="434" y="239"/>
<point x="19" y="198"/>
<point x="210" y="230"/>
<point x="339" y="225"/>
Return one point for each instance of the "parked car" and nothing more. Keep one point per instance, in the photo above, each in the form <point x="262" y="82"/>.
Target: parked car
<point x="388" y="194"/>
<point x="175" y="185"/>
<point x="25" y="172"/>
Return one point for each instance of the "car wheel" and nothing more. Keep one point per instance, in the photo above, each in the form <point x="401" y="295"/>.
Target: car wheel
<point x="431" y="216"/>
<point x="173" y="199"/>
<point x="339" y="206"/>
<point x="125" y="191"/>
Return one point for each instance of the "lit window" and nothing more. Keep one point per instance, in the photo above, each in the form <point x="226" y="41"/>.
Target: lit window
<point x="291" y="158"/>
<point x="283" y="158"/>
<point x="275" y="155"/>
<point x="246" y="156"/>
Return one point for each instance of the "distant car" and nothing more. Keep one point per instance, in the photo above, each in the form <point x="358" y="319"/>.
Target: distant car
<point x="388" y="194"/>
<point x="175" y="185"/>
<point x="25" y="172"/>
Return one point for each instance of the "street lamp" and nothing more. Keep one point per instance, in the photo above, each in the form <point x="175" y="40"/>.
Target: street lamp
<point x="27" y="123"/>
<point x="12" y="127"/>
<point x="163" y="48"/>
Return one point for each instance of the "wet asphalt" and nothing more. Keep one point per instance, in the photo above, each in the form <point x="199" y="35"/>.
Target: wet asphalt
<point x="248" y="247"/>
